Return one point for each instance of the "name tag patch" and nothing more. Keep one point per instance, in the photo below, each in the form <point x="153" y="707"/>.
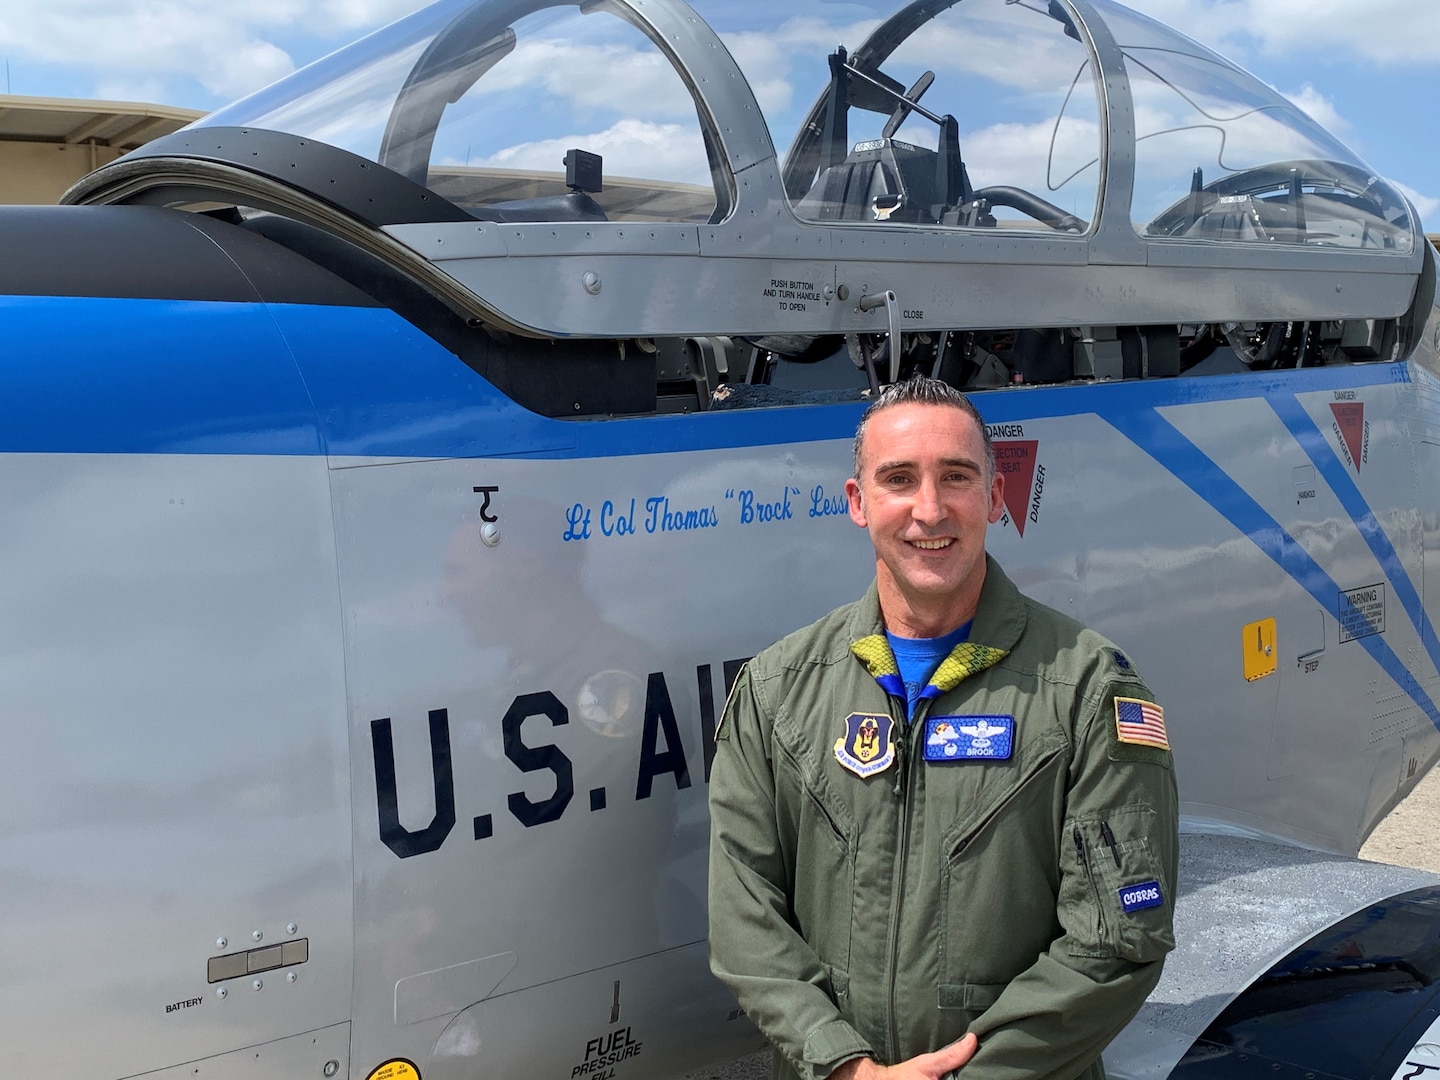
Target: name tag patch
<point x="1138" y="897"/>
<point x="969" y="738"/>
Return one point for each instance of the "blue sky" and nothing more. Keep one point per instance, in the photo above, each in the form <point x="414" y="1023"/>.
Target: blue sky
<point x="1367" y="69"/>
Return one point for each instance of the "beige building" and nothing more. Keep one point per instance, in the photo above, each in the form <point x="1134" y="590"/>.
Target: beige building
<point x="46" y="144"/>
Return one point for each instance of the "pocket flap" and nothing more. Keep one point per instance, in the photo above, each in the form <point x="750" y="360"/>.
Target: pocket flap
<point x="972" y="997"/>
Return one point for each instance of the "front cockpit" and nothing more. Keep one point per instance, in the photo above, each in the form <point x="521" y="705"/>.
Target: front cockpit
<point x="517" y="111"/>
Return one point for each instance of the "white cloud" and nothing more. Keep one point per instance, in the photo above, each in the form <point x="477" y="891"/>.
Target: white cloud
<point x="139" y="89"/>
<point x="1019" y="155"/>
<point x="790" y="59"/>
<point x="351" y="111"/>
<point x="227" y="49"/>
<point x="631" y="148"/>
<point x="1382" y="31"/>
<point x="1007" y="46"/>
<point x="1425" y="204"/>
<point x="359" y="14"/>
<point x="590" y="77"/>
<point x="235" y="48"/>
<point x="1318" y="107"/>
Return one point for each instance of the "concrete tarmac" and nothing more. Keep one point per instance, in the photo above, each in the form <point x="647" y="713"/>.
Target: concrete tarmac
<point x="1409" y="836"/>
<point x="754" y="1067"/>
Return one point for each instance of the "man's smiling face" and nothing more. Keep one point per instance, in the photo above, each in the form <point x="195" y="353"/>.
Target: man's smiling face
<point x="925" y="495"/>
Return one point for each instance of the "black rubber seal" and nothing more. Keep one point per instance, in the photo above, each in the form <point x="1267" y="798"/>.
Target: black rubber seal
<point x="364" y="190"/>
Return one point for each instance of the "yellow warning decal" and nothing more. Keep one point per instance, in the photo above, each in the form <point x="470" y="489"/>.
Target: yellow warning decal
<point x="395" y="1069"/>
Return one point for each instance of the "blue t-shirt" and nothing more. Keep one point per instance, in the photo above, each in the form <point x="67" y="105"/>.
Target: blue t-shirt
<point x="918" y="658"/>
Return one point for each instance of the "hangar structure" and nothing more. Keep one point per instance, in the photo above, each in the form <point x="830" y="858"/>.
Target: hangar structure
<point x="46" y="144"/>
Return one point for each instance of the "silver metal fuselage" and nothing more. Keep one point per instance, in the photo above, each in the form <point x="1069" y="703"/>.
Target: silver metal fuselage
<point x="205" y="648"/>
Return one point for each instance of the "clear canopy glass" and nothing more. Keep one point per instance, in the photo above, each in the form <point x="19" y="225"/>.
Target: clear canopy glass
<point x="1219" y="155"/>
<point x="986" y="114"/>
<point x="483" y="101"/>
<point x="975" y="114"/>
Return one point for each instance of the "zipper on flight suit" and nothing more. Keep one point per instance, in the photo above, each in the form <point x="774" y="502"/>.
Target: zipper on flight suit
<point x="1083" y="855"/>
<point x="897" y="893"/>
<point x="901" y="739"/>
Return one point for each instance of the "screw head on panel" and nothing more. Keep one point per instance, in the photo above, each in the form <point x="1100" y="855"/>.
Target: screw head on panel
<point x="257" y="935"/>
<point x="221" y="942"/>
<point x="291" y="928"/>
<point x="222" y="992"/>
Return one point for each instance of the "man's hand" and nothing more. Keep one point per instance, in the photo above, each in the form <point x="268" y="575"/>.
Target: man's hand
<point x="921" y="1067"/>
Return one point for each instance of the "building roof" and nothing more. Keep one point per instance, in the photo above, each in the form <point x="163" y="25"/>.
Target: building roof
<point x="123" y="125"/>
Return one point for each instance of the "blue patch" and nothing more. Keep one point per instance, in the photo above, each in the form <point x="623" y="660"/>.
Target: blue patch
<point x="969" y="738"/>
<point x="1120" y="660"/>
<point x="1138" y="897"/>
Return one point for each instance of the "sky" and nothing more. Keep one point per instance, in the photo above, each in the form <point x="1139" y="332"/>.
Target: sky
<point x="1368" y="70"/>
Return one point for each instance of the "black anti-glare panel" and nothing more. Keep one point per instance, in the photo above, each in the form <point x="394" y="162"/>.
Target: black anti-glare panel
<point x="141" y="252"/>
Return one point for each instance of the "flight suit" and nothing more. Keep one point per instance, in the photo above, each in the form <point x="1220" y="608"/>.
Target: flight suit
<point x="1028" y="899"/>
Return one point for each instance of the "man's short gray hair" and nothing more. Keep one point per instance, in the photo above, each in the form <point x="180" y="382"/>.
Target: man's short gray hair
<point x="924" y="391"/>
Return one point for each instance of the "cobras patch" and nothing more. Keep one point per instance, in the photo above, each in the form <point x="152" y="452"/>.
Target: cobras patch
<point x="1146" y="894"/>
<point x="969" y="738"/>
<point x="866" y="747"/>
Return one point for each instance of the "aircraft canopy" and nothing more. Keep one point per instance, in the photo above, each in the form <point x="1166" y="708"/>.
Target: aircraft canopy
<point x="1042" y="116"/>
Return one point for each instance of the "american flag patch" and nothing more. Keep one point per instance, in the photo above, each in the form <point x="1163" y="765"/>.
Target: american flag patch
<point x="1140" y="722"/>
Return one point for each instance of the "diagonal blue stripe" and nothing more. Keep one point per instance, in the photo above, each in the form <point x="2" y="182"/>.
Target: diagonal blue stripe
<point x="1301" y="425"/>
<point x="1148" y="430"/>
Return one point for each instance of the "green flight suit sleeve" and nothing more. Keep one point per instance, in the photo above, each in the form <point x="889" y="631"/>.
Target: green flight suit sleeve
<point x="1120" y="830"/>
<point x="755" y="948"/>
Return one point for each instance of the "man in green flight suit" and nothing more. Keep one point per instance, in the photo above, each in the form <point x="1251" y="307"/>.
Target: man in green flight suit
<point x="944" y="820"/>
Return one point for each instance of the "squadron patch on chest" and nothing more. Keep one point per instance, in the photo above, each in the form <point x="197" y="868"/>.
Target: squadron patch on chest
<point x="969" y="738"/>
<point x="866" y="747"/>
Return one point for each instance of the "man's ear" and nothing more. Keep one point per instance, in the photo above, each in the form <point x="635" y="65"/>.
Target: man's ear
<point x="997" y="497"/>
<point x="857" y="503"/>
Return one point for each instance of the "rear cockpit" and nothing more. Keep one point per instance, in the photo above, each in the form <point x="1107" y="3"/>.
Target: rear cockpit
<point x="584" y="200"/>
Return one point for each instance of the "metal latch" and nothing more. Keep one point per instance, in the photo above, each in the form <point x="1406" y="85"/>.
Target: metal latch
<point x="887" y="300"/>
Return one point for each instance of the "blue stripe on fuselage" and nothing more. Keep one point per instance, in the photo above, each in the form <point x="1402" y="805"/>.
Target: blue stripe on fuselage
<point x="1302" y="425"/>
<point x="1152" y="433"/>
<point x="148" y="376"/>
<point x="81" y="375"/>
<point x="160" y="376"/>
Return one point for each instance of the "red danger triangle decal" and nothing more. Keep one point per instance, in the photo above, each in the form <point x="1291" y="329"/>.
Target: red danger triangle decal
<point x="1350" y="423"/>
<point x="1015" y="458"/>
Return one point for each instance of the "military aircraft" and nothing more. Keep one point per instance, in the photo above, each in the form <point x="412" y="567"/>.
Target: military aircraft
<point x="400" y="463"/>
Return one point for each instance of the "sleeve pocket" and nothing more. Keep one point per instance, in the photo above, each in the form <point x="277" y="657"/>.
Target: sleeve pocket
<point x="1125" y="900"/>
